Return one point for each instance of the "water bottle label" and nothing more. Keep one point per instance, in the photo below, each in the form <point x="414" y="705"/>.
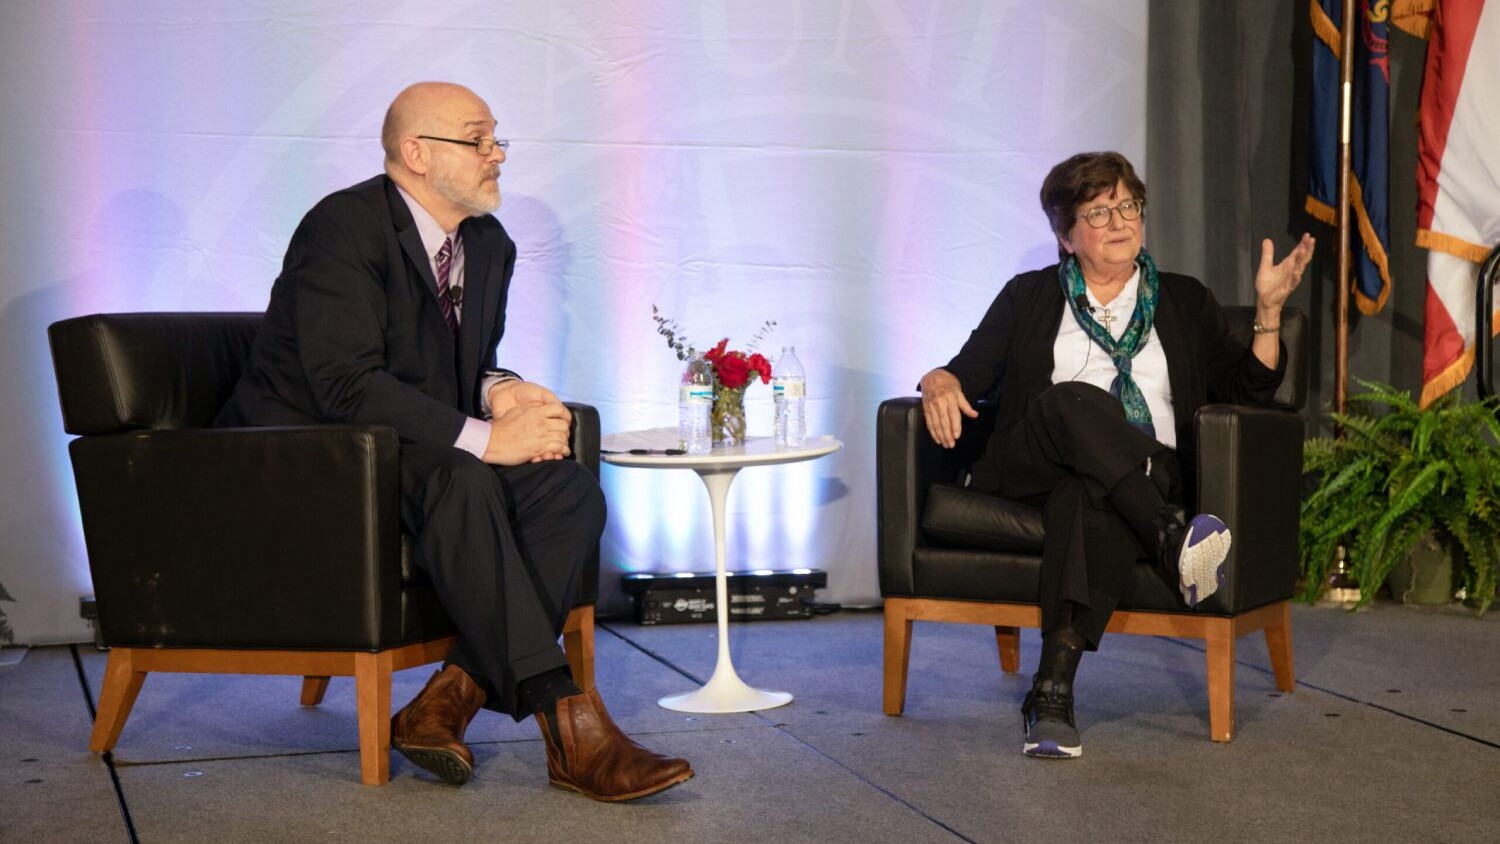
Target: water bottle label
<point x="794" y="390"/>
<point x="697" y="394"/>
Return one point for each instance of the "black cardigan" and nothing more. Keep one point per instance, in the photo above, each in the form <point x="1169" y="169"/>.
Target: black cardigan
<point x="1009" y="356"/>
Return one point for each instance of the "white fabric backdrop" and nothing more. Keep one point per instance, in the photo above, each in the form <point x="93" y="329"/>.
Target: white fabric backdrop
<point x="864" y="172"/>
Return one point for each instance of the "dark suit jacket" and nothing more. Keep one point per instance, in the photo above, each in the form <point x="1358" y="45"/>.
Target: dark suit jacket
<point x="1009" y="356"/>
<point x="354" y="334"/>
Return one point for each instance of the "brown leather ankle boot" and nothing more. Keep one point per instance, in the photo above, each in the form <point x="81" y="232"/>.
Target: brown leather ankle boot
<point x="430" y="730"/>
<point x="597" y="760"/>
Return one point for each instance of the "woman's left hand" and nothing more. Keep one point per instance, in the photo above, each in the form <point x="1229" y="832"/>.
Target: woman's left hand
<point x="1274" y="282"/>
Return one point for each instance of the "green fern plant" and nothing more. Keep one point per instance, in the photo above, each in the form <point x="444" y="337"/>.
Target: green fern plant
<point x="7" y="636"/>
<point x="1397" y="476"/>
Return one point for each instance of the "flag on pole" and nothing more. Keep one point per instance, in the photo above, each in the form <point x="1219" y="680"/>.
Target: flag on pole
<point x="1369" y="138"/>
<point x="1458" y="181"/>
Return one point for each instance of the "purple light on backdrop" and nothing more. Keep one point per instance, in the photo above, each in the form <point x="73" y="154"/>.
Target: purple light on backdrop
<point x="867" y="170"/>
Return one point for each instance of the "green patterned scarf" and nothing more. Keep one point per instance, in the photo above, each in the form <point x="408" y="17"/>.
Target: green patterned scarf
<point x="1120" y="351"/>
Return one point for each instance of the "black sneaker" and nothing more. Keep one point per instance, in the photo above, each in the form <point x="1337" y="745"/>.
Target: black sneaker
<point x="1048" y="712"/>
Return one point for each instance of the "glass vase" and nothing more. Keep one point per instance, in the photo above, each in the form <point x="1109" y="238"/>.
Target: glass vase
<point x="727" y="419"/>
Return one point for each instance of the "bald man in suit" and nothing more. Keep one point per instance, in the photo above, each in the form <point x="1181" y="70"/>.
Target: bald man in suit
<point x="389" y="308"/>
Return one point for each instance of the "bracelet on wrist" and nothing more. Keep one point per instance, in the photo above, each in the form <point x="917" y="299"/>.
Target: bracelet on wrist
<point x="1265" y="329"/>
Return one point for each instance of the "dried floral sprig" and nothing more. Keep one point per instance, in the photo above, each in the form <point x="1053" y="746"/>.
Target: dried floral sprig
<point x="760" y="334"/>
<point x="683" y="348"/>
<point x="670" y="329"/>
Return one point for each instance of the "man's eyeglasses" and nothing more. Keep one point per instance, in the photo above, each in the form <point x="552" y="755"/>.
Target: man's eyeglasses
<point x="483" y="146"/>
<point x="1130" y="209"/>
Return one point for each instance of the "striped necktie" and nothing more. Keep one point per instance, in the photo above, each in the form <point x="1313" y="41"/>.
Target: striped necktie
<point x="444" y="268"/>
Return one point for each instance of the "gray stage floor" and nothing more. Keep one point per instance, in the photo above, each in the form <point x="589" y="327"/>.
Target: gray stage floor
<point x="1393" y="734"/>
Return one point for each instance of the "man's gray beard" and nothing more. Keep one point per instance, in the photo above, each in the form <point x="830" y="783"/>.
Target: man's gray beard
<point x="470" y="200"/>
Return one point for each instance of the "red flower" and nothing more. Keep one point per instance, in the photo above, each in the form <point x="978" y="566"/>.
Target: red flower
<point x="761" y="367"/>
<point x="732" y="369"/>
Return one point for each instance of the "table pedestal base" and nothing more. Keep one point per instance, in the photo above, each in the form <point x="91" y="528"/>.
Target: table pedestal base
<point x="725" y="692"/>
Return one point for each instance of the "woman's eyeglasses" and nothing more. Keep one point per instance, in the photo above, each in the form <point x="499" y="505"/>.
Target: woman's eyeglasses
<point x="1130" y="209"/>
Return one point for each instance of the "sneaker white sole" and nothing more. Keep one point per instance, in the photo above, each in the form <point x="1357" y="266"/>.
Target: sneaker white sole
<point x="1050" y="750"/>
<point x="1201" y="564"/>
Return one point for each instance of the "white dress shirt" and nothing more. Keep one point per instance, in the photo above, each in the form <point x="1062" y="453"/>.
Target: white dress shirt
<point x="1076" y="357"/>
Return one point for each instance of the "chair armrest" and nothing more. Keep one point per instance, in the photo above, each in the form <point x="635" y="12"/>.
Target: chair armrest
<point x="585" y="435"/>
<point x="907" y="463"/>
<point x="585" y="445"/>
<point x="1250" y="475"/>
<point x="244" y="537"/>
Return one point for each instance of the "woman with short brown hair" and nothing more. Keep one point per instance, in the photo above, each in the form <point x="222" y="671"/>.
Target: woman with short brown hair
<point x="1098" y="364"/>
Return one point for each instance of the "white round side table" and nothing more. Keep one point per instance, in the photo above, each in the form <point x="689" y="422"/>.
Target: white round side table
<point x="724" y="691"/>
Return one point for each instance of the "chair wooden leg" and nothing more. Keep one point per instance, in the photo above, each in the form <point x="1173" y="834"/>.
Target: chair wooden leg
<point x="897" y="654"/>
<point x="1220" y="640"/>
<point x="1008" y="639"/>
<point x="121" y="685"/>
<point x="578" y="642"/>
<point x="313" y="689"/>
<point x="372" y="691"/>
<point x="1279" y="643"/>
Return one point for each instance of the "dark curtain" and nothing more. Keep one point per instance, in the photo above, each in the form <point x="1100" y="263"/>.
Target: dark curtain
<point x="1227" y="90"/>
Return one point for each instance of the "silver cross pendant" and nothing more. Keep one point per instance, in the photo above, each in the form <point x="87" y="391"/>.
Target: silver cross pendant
<point x="1107" y="320"/>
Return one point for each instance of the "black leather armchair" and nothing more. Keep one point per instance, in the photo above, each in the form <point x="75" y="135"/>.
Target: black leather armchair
<point x="247" y="550"/>
<point x="948" y="554"/>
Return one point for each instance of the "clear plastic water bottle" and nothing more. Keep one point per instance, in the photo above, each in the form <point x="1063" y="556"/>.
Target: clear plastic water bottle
<point x="789" y="388"/>
<point x="694" y="401"/>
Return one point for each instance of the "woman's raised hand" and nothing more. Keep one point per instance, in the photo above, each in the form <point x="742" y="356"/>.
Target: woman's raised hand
<point x="1274" y="282"/>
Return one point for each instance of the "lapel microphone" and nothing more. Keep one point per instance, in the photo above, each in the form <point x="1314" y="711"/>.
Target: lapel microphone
<point x="1080" y="300"/>
<point x="456" y="295"/>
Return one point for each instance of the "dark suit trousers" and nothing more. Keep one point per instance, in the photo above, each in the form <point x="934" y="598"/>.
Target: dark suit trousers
<point x="505" y="547"/>
<point x="1071" y="449"/>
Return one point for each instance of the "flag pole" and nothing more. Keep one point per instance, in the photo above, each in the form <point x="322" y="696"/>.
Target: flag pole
<point x="1342" y="587"/>
<point x="1345" y="264"/>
